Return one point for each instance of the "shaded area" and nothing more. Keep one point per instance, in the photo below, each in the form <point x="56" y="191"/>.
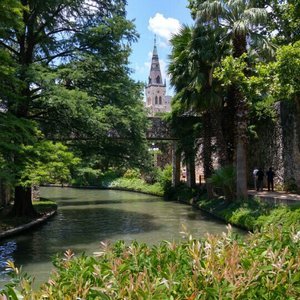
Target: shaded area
<point x="77" y="228"/>
<point x="101" y="202"/>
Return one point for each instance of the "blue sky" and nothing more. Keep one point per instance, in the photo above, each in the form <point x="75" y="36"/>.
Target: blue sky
<point x="160" y="17"/>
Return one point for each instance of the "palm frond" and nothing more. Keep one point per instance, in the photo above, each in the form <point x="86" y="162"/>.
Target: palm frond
<point x="255" y="16"/>
<point x="209" y="10"/>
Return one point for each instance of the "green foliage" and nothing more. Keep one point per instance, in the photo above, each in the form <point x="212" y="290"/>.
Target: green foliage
<point x="232" y="71"/>
<point x="165" y="178"/>
<point x="284" y="21"/>
<point x="290" y="185"/>
<point x="109" y="176"/>
<point x="132" y="173"/>
<point x="264" y="265"/>
<point x="284" y="217"/>
<point x="253" y="214"/>
<point x="70" y="81"/>
<point x="86" y="176"/>
<point x="26" y="158"/>
<point x="46" y="162"/>
<point x="181" y="192"/>
<point x="138" y="185"/>
<point x="14" y="134"/>
<point x="288" y="70"/>
<point x="225" y="178"/>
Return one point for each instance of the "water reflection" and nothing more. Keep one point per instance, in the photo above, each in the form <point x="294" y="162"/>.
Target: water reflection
<point x="86" y="217"/>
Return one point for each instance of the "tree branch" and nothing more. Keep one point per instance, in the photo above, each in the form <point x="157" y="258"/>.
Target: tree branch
<point x="9" y="48"/>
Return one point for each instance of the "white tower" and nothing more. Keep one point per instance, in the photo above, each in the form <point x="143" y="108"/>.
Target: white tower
<point x="155" y="90"/>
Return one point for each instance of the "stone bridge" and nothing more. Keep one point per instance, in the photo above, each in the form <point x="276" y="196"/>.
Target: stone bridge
<point x="159" y="130"/>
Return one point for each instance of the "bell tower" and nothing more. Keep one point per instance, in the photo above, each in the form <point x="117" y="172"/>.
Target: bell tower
<point x="155" y="89"/>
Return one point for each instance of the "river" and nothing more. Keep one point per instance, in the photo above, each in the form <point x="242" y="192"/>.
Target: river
<point x="86" y="217"/>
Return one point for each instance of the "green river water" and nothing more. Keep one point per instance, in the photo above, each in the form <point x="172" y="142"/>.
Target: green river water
<point x="88" y="216"/>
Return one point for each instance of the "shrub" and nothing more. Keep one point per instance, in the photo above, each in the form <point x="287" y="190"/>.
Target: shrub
<point x="265" y="265"/>
<point x="224" y="178"/>
<point x="132" y="173"/>
<point x="290" y="185"/>
<point x="86" y="177"/>
<point x="108" y="177"/>
<point x="136" y="184"/>
<point x="165" y="178"/>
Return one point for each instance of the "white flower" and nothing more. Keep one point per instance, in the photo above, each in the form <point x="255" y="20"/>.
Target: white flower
<point x="296" y="237"/>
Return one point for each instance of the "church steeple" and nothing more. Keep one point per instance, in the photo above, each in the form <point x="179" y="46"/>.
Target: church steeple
<point x="155" y="77"/>
<point x="155" y="90"/>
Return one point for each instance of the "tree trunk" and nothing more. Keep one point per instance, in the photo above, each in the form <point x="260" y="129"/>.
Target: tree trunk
<point x="297" y="100"/>
<point x="176" y="157"/>
<point x="239" y="48"/>
<point x="23" y="203"/>
<point x="241" y="169"/>
<point x="223" y="159"/>
<point x="241" y="153"/>
<point x="190" y="170"/>
<point x="228" y="124"/>
<point x="5" y="194"/>
<point x="207" y="152"/>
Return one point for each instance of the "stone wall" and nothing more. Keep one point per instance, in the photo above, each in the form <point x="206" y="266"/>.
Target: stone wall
<point x="278" y="144"/>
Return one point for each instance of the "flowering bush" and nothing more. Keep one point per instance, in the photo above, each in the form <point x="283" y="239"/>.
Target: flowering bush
<point x="266" y="265"/>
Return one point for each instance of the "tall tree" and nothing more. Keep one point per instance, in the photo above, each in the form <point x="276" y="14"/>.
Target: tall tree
<point x="196" y="52"/>
<point x="70" y="61"/>
<point x="283" y="21"/>
<point x="241" y="24"/>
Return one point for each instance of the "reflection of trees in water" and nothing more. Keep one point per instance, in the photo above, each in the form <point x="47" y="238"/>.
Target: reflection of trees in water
<point x="6" y="251"/>
<point x="76" y="228"/>
<point x="94" y="224"/>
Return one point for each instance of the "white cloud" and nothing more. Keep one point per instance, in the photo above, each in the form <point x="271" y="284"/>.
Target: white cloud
<point x="163" y="27"/>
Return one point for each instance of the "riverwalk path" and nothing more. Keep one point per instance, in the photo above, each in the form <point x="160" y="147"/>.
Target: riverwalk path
<point x="276" y="197"/>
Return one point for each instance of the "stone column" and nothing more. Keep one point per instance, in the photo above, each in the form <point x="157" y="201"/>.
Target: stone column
<point x="176" y="155"/>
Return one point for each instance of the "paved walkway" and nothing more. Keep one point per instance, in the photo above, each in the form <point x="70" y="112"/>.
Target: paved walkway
<point x="277" y="197"/>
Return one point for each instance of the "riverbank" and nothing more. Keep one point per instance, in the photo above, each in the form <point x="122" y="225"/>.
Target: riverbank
<point x="253" y="214"/>
<point x="217" y="265"/>
<point x="221" y="265"/>
<point x="261" y="208"/>
<point x="11" y="226"/>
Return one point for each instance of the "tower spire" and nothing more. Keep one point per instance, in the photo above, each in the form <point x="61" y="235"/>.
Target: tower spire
<point x="155" y="73"/>
<point x="155" y="48"/>
<point x="155" y="89"/>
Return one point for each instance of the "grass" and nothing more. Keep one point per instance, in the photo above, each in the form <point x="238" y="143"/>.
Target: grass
<point x="253" y="214"/>
<point x="42" y="207"/>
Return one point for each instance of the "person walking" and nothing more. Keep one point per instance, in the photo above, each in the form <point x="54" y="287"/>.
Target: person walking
<point x="254" y="177"/>
<point x="270" y="179"/>
<point x="260" y="179"/>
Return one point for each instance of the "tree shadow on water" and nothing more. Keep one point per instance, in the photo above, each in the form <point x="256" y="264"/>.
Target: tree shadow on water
<point x="74" y="202"/>
<point x="77" y="229"/>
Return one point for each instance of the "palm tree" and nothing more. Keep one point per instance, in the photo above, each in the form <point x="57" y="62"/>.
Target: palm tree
<point x="240" y="23"/>
<point x="193" y="59"/>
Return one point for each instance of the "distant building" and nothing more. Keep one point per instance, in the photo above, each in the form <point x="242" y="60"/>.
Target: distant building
<point x="155" y="91"/>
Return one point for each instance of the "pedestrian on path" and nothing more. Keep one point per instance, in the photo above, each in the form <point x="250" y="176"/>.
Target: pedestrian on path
<point x="260" y="179"/>
<point x="255" y="177"/>
<point x="270" y="179"/>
